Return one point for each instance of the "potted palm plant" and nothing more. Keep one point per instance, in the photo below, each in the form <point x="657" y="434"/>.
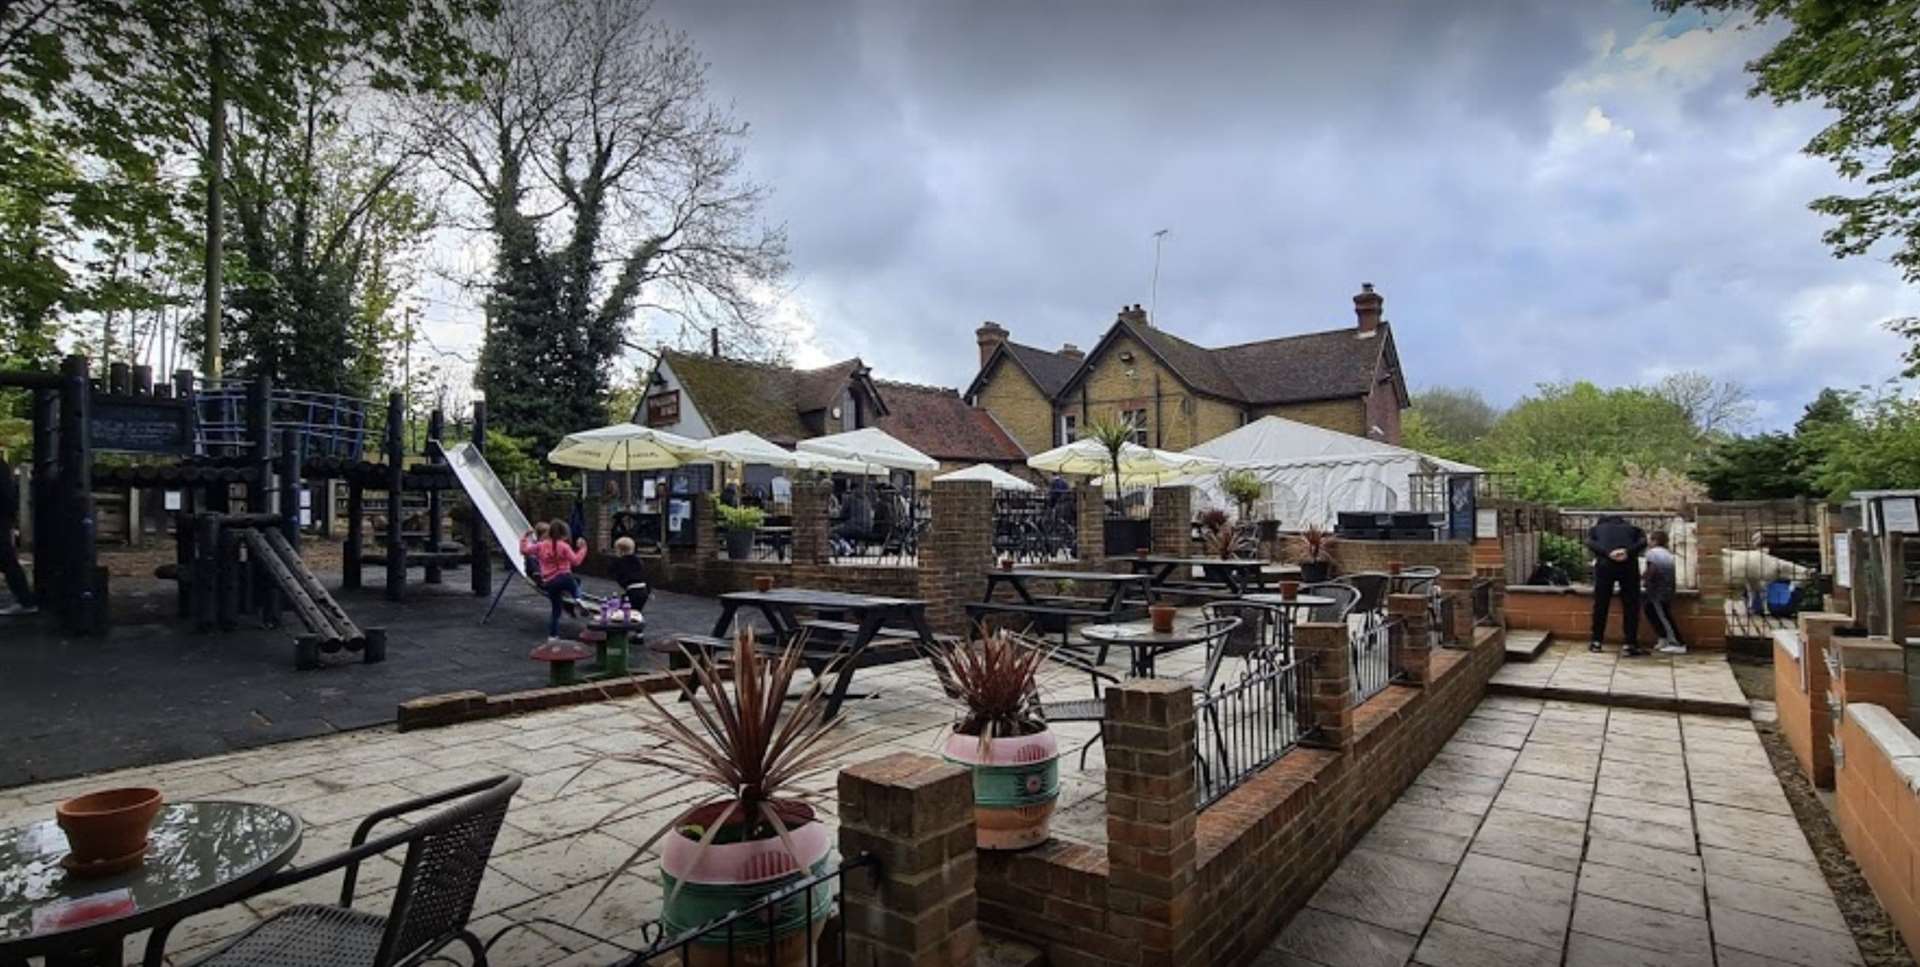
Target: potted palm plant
<point x="1113" y="437"/>
<point x="1315" y="544"/>
<point x="756" y="830"/>
<point x="740" y="524"/>
<point x="1002" y="736"/>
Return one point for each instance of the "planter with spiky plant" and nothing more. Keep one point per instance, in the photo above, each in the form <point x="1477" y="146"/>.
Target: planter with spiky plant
<point x="1002" y="736"/>
<point x="1316" y="553"/>
<point x="757" y="830"/>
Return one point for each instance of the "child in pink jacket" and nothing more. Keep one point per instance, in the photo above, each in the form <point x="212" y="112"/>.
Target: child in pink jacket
<point x="557" y="559"/>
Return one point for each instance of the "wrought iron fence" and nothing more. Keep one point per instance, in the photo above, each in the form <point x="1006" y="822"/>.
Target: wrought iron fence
<point x="751" y="935"/>
<point x="1482" y="602"/>
<point x="1244" y="726"/>
<point x="879" y="527"/>
<point x="1376" y="658"/>
<point x="1036" y="527"/>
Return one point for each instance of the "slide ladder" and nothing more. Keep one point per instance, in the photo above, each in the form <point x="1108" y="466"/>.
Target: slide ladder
<point x="323" y="616"/>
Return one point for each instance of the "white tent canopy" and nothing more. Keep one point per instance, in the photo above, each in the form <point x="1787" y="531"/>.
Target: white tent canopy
<point x="1138" y="464"/>
<point x="1000" y="479"/>
<point x="624" y="446"/>
<point x="746" y="447"/>
<point x="871" y="446"/>
<point x="1311" y="474"/>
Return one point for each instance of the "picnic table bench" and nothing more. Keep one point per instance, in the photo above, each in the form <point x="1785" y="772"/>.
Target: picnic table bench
<point x="1126" y="596"/>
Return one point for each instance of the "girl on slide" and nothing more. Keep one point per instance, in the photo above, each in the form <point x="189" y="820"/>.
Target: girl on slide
<point x="557" y="559"/>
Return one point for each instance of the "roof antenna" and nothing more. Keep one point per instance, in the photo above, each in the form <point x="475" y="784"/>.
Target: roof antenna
<point x="1153" y="297"/>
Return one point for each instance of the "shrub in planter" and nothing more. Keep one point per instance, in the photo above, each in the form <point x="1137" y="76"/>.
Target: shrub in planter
<point x="1315" y="545"/>
<point x="1243" y="488"/>
<point x="740" y="523"/>
<point x="756" y="831"/>
<point x="1002" y="736"/>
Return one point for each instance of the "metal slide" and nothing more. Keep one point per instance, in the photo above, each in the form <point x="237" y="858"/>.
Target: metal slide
<point x="497" y="508"/>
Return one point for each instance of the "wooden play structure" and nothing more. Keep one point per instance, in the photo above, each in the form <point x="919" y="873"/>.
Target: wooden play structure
<point x="233" y="458"/>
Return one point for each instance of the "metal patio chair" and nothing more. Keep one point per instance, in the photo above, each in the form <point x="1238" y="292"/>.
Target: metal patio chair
<point x="446" y="857"/>
<point x="1218" y="632"/>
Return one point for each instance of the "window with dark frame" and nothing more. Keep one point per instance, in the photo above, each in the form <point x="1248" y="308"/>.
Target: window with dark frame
<point x="1137" y="420"/>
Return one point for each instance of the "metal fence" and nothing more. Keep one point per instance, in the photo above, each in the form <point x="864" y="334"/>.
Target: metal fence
<point x="1375" y="658"/>
<point x="1428" y="491"/>
<point x="1244" y="726"/>
<point x="879" y="527"/>
<point x="330" y="424"/>
<point x="1482" y="602"/>
<point x="750" y="935"/>
<point x="1036" y="527"/>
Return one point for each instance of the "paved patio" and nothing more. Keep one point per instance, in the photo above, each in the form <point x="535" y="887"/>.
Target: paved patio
<point x="579" y="815"/>
<point x="1699" y="682"/>
<point x="1551" y="832"/>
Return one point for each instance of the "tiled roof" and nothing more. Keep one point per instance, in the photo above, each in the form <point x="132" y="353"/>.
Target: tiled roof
<point x="1291" y="369"/>
<point x="1049" y="369"/>
<point x="733" y="394"/>
<point x="937" y="422"/>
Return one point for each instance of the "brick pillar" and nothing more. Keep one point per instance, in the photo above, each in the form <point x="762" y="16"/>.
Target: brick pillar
<point x="1091" y="526"/>
<point x="705" y="541"/>
<point x="915" y="814"/>
<point x="1415" y="646"/>
<point x="1151" y="852"/>
<point x="810" y="521"/>
<point x="1326" y="647"/>
<point x="1457" y="589"/>
<point x="1710" y="570"/>
<point x="1816" y="639"/>
<point x="957" y="552"/>
<point x="1172" y="521"/>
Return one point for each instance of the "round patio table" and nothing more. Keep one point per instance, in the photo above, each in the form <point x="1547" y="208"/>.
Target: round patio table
<point x="1290" y="608"/>
<point x="1144" y="642"/>
<point x="200" y="855"/>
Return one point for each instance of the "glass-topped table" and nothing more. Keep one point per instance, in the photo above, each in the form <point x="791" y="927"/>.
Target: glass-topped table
<point x="200" y="855"/>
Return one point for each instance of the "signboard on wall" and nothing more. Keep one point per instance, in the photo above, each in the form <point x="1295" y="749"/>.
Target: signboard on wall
<point x="138" y="424"/>
<point x="1843" y="560"/>
<point x="663" y="409"/>
<point x="1462" y="505"/>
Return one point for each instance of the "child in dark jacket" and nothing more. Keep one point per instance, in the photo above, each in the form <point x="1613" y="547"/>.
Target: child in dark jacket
<point x="629" y="572"/>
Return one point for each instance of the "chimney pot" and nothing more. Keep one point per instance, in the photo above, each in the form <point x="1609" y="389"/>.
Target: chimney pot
<point x="1071" y="351"/>
<point x="1367" y="309"/>
<point x="989" y="336"/>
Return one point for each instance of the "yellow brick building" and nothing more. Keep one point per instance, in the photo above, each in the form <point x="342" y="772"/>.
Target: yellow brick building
<point x="1177" y="394"/>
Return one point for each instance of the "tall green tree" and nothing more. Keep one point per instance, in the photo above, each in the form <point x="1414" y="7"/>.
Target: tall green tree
<point x="1859" y="59"/>
<point x="1446" y="421"/>
<point x="126" y="91"/>
<point x="611" y="188"/>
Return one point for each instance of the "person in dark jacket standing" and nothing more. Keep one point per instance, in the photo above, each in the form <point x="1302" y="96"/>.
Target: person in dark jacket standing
<point x="9" y="557"/>
<point x="1616" y="546"/>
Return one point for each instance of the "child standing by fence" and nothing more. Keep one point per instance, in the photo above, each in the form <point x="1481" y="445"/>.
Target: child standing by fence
<point x="1658" y="587"/>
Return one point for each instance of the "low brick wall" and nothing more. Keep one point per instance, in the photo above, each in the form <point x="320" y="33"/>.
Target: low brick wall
<point x="1800" y="695"/>
<point x="1178" y="887"/>
<point x="1451" y="557"/>
<point x="1568" y="613"/>
<point x="1878" y="810"/>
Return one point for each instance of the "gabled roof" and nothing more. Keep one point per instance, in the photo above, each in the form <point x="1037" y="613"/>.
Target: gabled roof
<point x="1049" y="370"/>
<point x="1333" y="364"/>
<point x="735" y="394"/>
<point x="937" y="422"/>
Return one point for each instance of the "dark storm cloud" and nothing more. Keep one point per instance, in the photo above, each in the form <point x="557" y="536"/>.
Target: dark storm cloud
<point x="1542" y="190"/>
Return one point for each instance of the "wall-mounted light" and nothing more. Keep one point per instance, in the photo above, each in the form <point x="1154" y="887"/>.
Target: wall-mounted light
<point x="1126" y="356"/>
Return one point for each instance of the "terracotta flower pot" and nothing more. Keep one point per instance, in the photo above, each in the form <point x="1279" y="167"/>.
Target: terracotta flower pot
<point x="763" y="582"/>
<point x="1142" y="551"/>
<point x="1289" y="588"/>
<point x="108" y="825"/>
<point x="1015" y="784"/>
<point x="1162" y="616"/>
<point x="728" y="876"/>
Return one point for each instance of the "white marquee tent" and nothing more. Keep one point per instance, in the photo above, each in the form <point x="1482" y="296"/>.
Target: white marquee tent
<point x="1310" y="474"/>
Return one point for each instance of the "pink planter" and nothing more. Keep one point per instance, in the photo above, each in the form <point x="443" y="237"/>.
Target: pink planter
<point x="1015" y="784"/>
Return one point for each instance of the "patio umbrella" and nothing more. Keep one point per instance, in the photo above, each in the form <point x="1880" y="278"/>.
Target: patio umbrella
<point x="825" y="464"/>
<point x="1138" y="464"/>
<point x="624" y="446"/>
<point x="871" y="446"/>
<point x="1000" y="479"/>
<point x="745" y="446"/>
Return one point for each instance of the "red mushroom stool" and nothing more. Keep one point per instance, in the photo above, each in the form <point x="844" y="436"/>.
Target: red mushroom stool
<point x="560" y="657"/>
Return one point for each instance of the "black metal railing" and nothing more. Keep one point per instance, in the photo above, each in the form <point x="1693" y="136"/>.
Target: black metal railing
<point x="1376" y="659"/>
<point x="1036" y="527"/>
<point x="880" y="527"/>
<point x="1244" y="726"/>
<point x="1482" y="602"/>
<point x="330" y="424"/>
<point x="749" y="935"/>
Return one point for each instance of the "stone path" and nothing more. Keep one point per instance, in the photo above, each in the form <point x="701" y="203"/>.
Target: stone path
<point x="1699" y="683"/>
<point x="1549" y="833"/>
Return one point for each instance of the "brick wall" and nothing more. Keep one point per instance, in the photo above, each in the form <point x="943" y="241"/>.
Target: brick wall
<point x="1800" y="686"/>
<point x="1568" y="614"/>
<point x="1869" y="670"/>
<point x="956" y="552"/>
<point x="1173" y="887"/>
<point x="1451" y="557"/>
<point x="1878" y="810"/>
<point x="1345" y="415"/>
<point x="1171" y="521"/>
<point x="1014" y="400"/>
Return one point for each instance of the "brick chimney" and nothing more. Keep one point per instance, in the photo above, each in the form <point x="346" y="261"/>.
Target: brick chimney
<point x="990" y="335"/>
<point x="1073" y="352"/>
<point x="1135" y="315"/>
<point x="1366" y="308"/>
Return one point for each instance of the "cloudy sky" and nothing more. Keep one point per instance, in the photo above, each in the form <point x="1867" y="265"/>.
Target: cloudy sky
<point x="1542" y="191"/>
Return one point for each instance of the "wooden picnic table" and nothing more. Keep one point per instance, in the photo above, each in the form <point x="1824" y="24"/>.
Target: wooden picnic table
<point x="870" y="614"/>
<point x="1119" y="592"/>
<point x="1234" y="574"/>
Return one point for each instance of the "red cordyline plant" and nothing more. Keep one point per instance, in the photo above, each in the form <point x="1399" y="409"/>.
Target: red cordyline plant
<point x="746" y="740"/>
<point x="994" y="677"/>
<point x="1316" y="542"/>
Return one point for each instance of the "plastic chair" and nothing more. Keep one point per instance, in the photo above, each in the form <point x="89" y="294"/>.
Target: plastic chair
<point x="439" y="877"/>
